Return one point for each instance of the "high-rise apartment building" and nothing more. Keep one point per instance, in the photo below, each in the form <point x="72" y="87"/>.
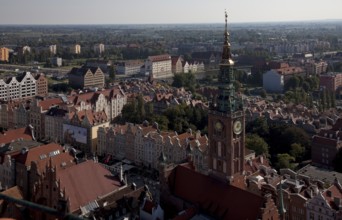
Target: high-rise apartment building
<point x="99" y="48"/>
<point x="4" y="54"/>
<point x="53" y="49"/>
<point x="76" y="49"/>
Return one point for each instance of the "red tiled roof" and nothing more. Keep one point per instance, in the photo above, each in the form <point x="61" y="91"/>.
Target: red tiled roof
<point x="48" y="103"/>
<point x="10" y="135"/>
<point x="159" y="58"/>
<point x="290" y="70"/>
<point x="85" y="182"/>
<point x="35" y="153"/>
<point x="219" y="200"/>
<point x="93" y="117"/>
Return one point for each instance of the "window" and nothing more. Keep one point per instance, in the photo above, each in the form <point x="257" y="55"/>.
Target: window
<point x="311" y="216"/>
<point x="219" y="149"/>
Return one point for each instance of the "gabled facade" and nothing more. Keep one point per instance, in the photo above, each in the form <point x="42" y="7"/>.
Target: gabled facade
<point x="19" y="87"/>
<point x="143" y="145"/>
<point x="83" y="78"/>
<point x="176" y="64"/>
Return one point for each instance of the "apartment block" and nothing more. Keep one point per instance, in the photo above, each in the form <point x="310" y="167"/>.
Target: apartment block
<point x="99" y="48"/>
<point x="129" y="67"/>
<point x="159" y="66"/>
<point x="4" y="54"/>
<point x="332" y="81"/>
<point x="53" y="49"/>
<point x="75" y="49"/>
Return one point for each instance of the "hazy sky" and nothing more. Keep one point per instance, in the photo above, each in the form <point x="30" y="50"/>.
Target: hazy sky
<point x="164" y="11"/>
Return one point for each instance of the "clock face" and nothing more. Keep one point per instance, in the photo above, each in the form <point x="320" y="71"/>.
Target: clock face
<point x="237" y="127"/>
<point x="218" y="126"/>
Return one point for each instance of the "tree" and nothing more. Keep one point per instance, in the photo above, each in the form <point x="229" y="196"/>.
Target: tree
<point x="259" y="126"/>
<point x="284" y="161"/>
<point x="112" y="73"/>
<point x="257" y="144"/>
<point x="297" y="151"/>
<point x="292" y="83"/>
<point x="263" y="93"/>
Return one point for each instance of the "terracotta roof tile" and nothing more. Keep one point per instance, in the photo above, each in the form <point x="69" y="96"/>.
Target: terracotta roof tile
<point x="86" y="182"/>
<point x="15" y="134"/>
<point x="37" y="153"/>
<point x="159" y="58"/>
<point x="48" y="103"/>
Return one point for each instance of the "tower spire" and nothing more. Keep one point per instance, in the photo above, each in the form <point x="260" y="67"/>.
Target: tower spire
<point x="226" y="54"/>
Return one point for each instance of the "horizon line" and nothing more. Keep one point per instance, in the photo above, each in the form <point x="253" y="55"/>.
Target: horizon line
<point x="189" y="23"/>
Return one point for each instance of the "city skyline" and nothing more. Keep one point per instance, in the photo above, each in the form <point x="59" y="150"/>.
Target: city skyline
<point x="165" y="12"/>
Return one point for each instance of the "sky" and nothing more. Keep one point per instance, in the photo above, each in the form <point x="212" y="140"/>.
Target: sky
<point x="164" y="11"/>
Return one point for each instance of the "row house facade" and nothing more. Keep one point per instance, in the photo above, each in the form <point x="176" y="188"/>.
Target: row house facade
<point x="23" y="86"/>
<point x="48" y="115"/>
<point x="80" y="130"/>
<point x="177" y="65"/>
<point x="54" y="120"/>
<point x="326" y="204"/>
<point x="38" y="109"/>
<point x="143" y="144"/>
<point x="110" y="101"/>
<point x="12" y="142"/>
<point x="159" y="66"/>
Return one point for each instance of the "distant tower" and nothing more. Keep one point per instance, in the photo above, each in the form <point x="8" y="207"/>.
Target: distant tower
<point x="226" y="122"/>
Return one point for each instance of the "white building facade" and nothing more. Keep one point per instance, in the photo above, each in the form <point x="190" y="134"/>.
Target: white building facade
<point x="159" y="66"/>
<point x="273" y="81"/>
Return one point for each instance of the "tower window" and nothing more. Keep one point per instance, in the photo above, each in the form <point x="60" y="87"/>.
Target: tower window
<point x="219" y="149"/>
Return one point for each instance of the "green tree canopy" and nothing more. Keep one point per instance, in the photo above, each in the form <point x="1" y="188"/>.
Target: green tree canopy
<point x="257" y="144"/>
<point x="297" y="151"/>
<point x="285" y="161"/>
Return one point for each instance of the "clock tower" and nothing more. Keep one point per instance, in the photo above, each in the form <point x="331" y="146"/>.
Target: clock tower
<point x="226" y="122"/>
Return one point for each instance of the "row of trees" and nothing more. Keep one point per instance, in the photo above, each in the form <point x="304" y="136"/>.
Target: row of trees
<point x="177" y="118"/>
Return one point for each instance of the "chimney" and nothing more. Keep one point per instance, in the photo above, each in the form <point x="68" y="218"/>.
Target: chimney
<point x="134" y="186"/>
<point x="198" y="134"/>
